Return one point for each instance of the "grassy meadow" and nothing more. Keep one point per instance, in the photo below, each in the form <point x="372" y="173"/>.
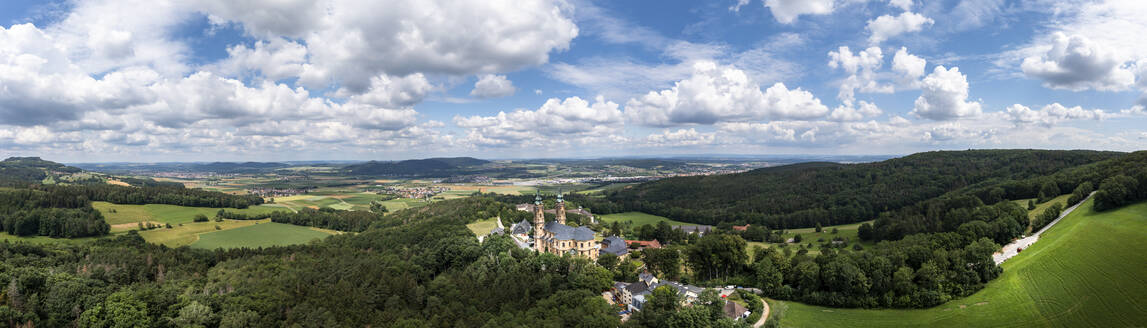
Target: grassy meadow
<point x="1086" y="271"/>
<point x="1039" y="208"/>
<point x="263" y="234"/>
<point x="160" y="213"/>
<point x="809" y="235"/>
<point x="639" y="219"/>
<point x="481" y="228"/>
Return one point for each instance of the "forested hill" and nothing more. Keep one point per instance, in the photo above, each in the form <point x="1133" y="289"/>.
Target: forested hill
<point x="31" y="169"/>
<point x="802" y="195"/>
<point x="415" y="167"/>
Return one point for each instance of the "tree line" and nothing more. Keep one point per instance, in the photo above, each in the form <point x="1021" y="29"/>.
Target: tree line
<point x="25" y="212"/>
<point x="170" y="195"/>
<point x="802" y="195"/>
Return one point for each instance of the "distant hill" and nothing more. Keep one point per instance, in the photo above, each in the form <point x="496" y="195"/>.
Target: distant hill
<point x="802" y="195"/>
<point x="31" y="169"/>
<point x="230" y="167"/>
<point x="430" y="167"/>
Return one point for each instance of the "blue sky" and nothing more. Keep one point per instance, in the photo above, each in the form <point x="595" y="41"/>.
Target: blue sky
<point x="164" y="80"/>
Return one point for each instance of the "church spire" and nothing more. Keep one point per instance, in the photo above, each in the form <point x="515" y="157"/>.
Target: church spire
<point x="560" y="211"/>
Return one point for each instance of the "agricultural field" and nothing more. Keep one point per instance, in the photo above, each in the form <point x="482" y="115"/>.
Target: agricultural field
<point x="1039" y="208"/>
<point x="1086" y="271"/>
<point x="482" y="228"/>
<point x="809" y="235"/>
<point x="188" y="233"/>
<point x="160" y="213"/>
<point x="5" y="237"/>
<point x="639" y="219"/>
<point x="263" y="234"/>
<point x="504" y="190"/>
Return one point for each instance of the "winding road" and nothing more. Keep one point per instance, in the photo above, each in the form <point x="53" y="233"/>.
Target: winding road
<point x="1013" y="249"/>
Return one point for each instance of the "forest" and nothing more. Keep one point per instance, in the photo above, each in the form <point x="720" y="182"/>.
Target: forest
<point x="802" y="195"/>
<point x="25" y="212"/>
<point x="171" y="195"/>
<point x="428" y="272"/>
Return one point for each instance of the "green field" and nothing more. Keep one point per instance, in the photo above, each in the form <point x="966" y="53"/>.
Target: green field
<point x="126" y="214"/>
<point x="264" y="234"/>
<point x="639" y="219"/>
<point x="399" y="204"/>
<point x="43" y="239"/>
<point x="810" y="236"/>
<point x="1039" y="208"/>
<point x="482" y="228"/>
<point x="188" y="233"/>
<point x="1086" y="271"/>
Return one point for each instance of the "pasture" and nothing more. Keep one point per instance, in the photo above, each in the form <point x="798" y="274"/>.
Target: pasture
<point x="1039" y="208"/>
<point x="263" y="234"/>
<point x="1086" y="271"/>
<point x="188" y="233"/>
<point x="638" y="219"/>
<point x="482" y="228"/>
<point x="160" y="213"/>
<point x="810" y="236"/>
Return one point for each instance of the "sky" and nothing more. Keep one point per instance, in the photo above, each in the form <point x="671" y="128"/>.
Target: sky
<point x="278" y="80"/>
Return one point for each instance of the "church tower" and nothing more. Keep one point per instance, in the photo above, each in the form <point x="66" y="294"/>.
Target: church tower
<point x="539" y="222"/>
<point x="561" y="204"/>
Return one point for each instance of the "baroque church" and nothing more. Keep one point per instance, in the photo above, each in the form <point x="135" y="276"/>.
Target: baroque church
<point x="556" y="237"/>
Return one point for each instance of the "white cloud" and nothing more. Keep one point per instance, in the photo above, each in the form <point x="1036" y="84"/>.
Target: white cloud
<point x="787" y="11"/>
<point x="861" y="68"/>
<point x="556" y="120"/>
<point x="905" y="5"/>
<point x="493" y="86"/>
<point x="393" y="92"/>
<point x="887" y="26"/>
<point x="721" y="93"/>
<point x="909" y="66"/>
<point x="352" y="41"/>
<point x="680" y="137"/>
<point x="1077" y="63"/>
<point x="944" y="96"/>
<point x="1053" y="114"/>
<point x="276" y="60"/>
<point x="848" y="113"/>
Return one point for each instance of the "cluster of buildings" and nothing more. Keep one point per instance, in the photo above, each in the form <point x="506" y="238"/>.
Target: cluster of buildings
<point x="555" y="237"/>
<point x="277" y="192"/>
<point x="633" y="296"/>
<point x="415" y="192"/>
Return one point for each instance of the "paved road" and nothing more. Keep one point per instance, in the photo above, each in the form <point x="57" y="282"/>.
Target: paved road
<point x="1012" y="249"/>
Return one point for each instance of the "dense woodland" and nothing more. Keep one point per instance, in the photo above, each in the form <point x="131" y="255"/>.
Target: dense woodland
<point x="155" y="195"/>
<point x="428" y="272"/>
<point x="802" y="195"/>
<point x="25" y="212"/>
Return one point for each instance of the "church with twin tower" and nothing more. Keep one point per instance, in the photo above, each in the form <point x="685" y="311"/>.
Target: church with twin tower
<point x="556" y="237"/>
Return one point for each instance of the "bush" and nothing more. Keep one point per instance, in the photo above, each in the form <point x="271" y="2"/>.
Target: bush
<point x="200" y="218"/>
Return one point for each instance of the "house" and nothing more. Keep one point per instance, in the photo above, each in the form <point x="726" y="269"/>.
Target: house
<point x="735" y="311"/>
<point x="697" y="229"/>
<point x="615" y="245"/>
<point x="741" y="228"/>
<point x="521" y="229"/>
<point x="641" y="244"/>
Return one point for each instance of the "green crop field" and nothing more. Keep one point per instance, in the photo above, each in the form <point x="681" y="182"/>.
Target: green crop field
<point x="639" y="219"/>
<point x="1086" y="271"/>
<point x="265" y="234"/>
<point x="482" y="228"/>
<point x="125" y="214"/>
<point x="399" y="204"/>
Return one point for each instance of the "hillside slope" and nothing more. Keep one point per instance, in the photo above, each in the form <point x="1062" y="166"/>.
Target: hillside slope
<point x="1085" y="271"/>
<point x="802" y="195"/>
<point x="416" y="167"/>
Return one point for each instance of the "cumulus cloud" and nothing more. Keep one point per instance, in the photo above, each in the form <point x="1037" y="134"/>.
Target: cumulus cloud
<point x="908" y="66"/>
<point x="556" y="120"/>
<point x="1077" y="63"/>
<point x="352" y="41"/>
<point x="787" y="11"/>
<point x="1052" y="114"/>
<point x="680" y="137"/>
<point x="393" y="92"/>
<point x="905" y="5"/>
<point x="944" y="96"/>
<point x="887" y="26"/>
<point x="849" y="113"/>
<point x="493" y="86"/>
<point x="861" y="68"/>
<point x="276" y="60"/>
<point x="721" y="93"/>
